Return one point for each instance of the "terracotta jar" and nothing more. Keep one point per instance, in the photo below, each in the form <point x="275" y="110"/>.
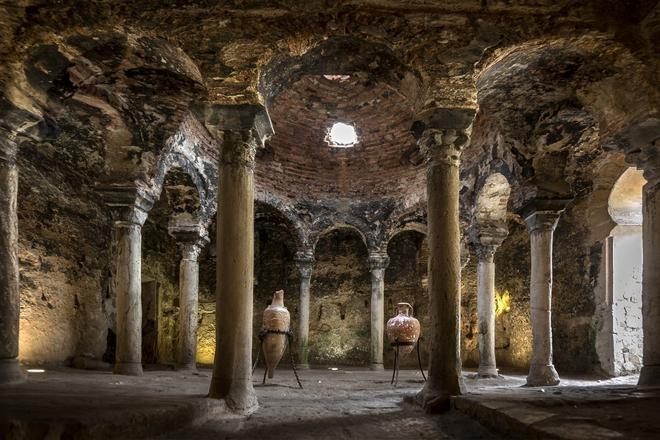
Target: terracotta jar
<point x="403" y="328"/>
<point x="277" y="319"/>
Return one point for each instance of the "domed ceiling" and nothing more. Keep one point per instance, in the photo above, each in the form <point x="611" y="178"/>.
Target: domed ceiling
<point x="299" y="164"/>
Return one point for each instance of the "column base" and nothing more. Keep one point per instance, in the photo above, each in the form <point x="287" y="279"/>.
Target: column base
<point x="376" y="367"/>
<point x="649" y="377"/>
<point x="128" y="368"/>
<point x="10" y="372"/>
<point x="487" y="372"/>
<point x="302" y="366"/>
<point x="240" y="400"/>
<point x="542" y="375"/>
<point x="433" y="402"/>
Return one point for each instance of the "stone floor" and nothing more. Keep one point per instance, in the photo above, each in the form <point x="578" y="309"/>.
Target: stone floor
<point x="346" y="403"/>
<point x="580" y="408"/>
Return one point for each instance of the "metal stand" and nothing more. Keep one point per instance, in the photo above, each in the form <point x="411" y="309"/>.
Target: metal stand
<point x="397" y="359"/>
<point x="289" y="339"/>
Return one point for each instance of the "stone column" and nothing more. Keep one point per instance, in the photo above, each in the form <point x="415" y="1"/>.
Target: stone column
<point x="378" y="262"/>
<point x="10" y="371"/>
<point x="305" y="263"/>
<point x="237" y="130"/>
<point x="541" y="217"/>
<point x="190" y="239"/>
<point x="442" y="147"/>
<point x="649" y="377"/>
<point x="129" y="210"/>
<point x="489" y="241"/>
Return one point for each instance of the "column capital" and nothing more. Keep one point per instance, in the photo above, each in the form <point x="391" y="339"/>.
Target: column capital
<point x="442" y="134"/>
<point x="239" y="129"/>
<point x="378" y="261"/>
<point x="128" y="204"/>
<point x="304" y="262"/>
<point x="443" y="146"/>
<point x="543" y="214"/>
<point x="488" y="240"/>
<point x="191" y="238"/>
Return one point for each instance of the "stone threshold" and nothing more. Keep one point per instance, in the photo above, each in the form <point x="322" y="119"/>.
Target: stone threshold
<point x="567" y="416"/>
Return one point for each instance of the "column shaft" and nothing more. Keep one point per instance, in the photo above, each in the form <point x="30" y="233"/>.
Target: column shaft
<point x="378" y="265"/>
<point x="445" y="375"/>
<point x="10" y="372"/>
<point x="128" y="289"/>
<point x="541" y="226"/>
<point x="650" y="375"/>
<point x="232" y="370"/>
<point x="486" y="315"/>
<point x="303" y="324"/>
<point x="188" y="304"/>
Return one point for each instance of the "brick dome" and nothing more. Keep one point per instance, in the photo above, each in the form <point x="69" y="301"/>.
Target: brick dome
<point x="298" y="162"/>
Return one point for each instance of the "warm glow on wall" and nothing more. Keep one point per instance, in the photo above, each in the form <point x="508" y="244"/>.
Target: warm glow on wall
<point x="502" y="302"/>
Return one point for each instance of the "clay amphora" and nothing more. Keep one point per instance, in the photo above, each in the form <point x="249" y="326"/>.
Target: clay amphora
<point x="276" y="318"/>
<point x="403" y="328"/>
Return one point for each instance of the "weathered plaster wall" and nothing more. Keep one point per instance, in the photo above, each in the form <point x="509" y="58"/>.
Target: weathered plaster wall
<point x="573" y="304"/>
<point x="160" y="263"/>
<point x="273" y="270"/>
<point x="340" y="301"/>
<point x="64" y="254"/>
<point x="406" y="281"/>
<point x="626" y="299"/>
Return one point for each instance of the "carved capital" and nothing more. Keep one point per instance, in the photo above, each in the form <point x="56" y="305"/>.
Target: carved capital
<point x="305" y="262"/>
<point x="191" y="239"/>
<point x="238" y="148"/>
<point x="378" y="261"/>
<point x="543" y="214"/>
<point x="128" y="204"/>
<point x="239" y="129"/>
<point x="443" y="146"/>
<point x="489" y="239"/>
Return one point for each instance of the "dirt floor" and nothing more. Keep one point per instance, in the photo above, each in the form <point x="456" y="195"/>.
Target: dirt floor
<point x="342" y="403"/>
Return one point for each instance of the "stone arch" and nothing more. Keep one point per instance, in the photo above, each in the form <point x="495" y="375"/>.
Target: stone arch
<point x="419" y="227"/>
<point x="69" y="76"/>
<point x="589" y="82"/>
<point x="181" y="151"/>
<point x="293" y="223"/>
<point x="340" y="319"/>
<point x="329" y="57"/>
<point x="491" y="201"/>
<point x="369" y="243"/>
<point x="619" y="289"/>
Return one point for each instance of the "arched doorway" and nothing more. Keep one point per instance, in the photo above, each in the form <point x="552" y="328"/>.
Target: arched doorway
<point x="622" y="352"/>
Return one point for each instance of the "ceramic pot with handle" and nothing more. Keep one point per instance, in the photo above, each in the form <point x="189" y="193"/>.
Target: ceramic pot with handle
<point x="276" y="319"/>
<point x="404" y="328"/>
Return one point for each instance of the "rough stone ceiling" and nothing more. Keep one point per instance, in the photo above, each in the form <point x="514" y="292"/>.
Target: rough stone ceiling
<point x="299" y="164"/>
<point x="555" y="82"/>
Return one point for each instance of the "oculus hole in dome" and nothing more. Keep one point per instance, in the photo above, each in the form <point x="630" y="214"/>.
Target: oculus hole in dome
<point x="342" y="135"/>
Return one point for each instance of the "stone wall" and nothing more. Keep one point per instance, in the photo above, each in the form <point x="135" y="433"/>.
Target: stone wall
<point x="406" y="281"/>
<point x="64" y="252"/>
<point x="340" y="331"/>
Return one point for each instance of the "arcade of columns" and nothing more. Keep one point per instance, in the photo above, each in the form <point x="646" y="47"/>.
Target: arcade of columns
<point x="241" y="130"/>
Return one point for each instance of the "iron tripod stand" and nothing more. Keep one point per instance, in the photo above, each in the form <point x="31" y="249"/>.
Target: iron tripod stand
<point x="289" y="339"/>
<point x="397" y="358"/>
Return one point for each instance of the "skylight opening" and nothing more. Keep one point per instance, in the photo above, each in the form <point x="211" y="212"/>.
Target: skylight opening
<point x="338" y="78"/>
<point x="342" y="135"/>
